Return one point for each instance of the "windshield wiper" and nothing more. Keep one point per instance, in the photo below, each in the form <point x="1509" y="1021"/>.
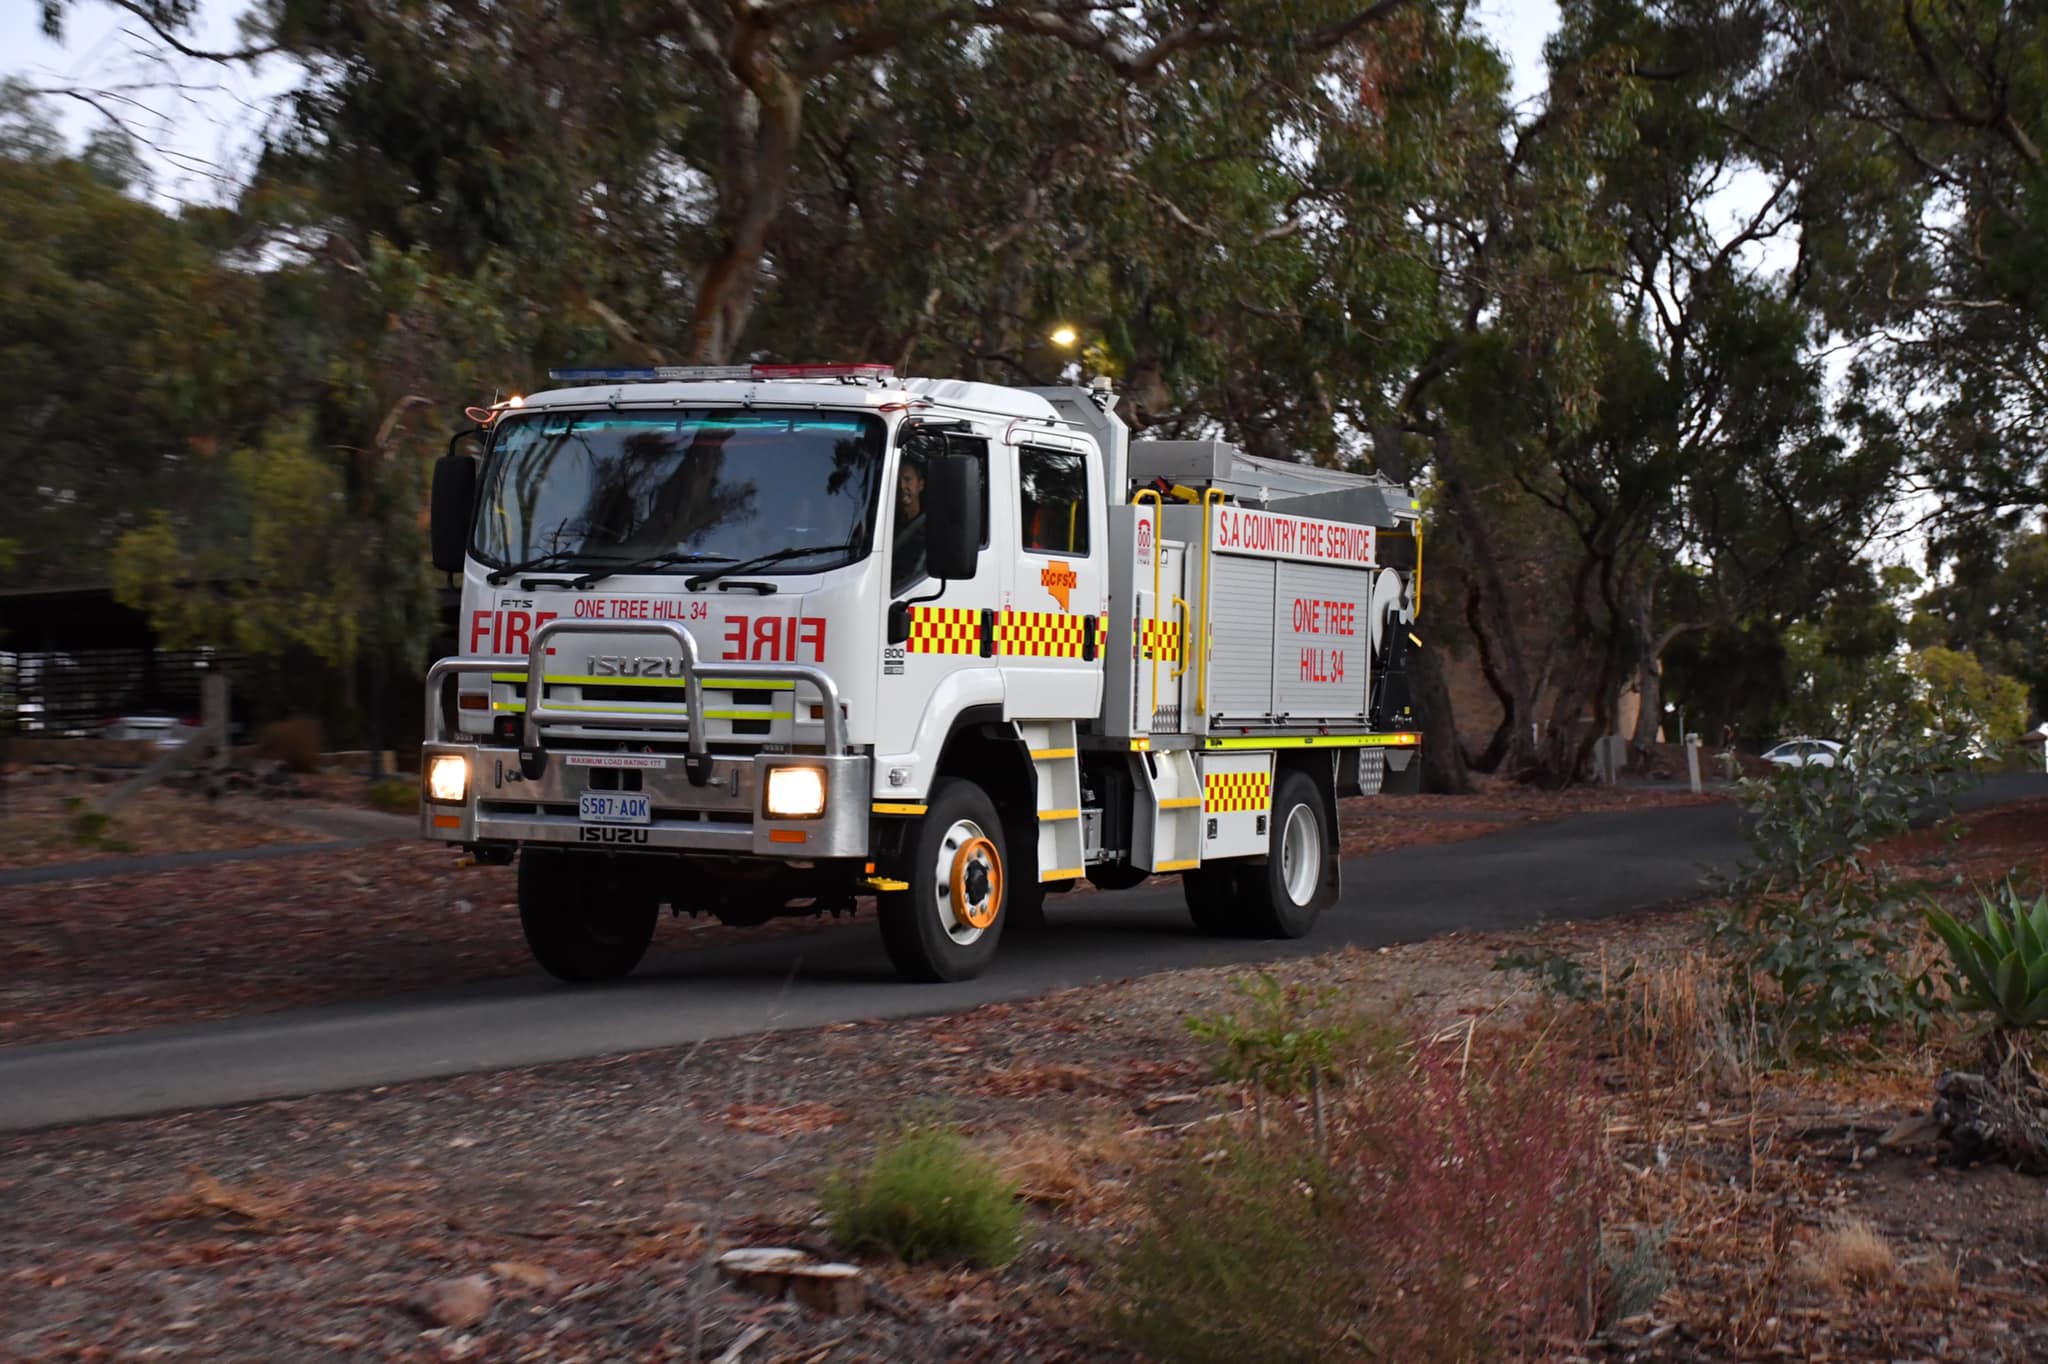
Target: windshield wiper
<point x="759" y="561"/>
<point x="554" y="558"/>
<point x="662" y="560"/>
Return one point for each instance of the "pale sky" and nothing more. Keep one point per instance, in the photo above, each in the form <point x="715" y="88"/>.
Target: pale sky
<point x="199" y="119"/>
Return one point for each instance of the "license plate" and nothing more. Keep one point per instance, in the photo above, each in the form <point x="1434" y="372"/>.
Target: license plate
<point x="607" y="807"/>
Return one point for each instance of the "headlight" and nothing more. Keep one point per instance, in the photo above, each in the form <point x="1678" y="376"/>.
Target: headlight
<point x="447" y="777"/>
<point x="795" y="792"/>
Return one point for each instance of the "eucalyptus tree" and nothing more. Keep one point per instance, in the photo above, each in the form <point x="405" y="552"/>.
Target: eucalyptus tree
<point x="1926" y="200"/>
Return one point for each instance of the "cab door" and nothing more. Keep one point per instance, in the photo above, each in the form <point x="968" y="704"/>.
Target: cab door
<point x="1052" y="631"/>
<point x="949" y="662"/>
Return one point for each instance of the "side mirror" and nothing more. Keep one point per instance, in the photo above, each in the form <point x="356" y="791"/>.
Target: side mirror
<point x="454" y="503"/>
<point x="952" y="496"/>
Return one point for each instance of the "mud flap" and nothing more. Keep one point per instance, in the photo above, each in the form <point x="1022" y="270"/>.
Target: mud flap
<point x="1325" y="777"/>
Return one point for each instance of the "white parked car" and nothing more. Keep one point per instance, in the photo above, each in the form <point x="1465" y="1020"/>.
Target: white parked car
<point x="165" y="731"/>
<point x="1805" y="753"/>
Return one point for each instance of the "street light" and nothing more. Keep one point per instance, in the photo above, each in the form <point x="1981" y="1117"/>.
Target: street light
<point x="1064" y="336"/>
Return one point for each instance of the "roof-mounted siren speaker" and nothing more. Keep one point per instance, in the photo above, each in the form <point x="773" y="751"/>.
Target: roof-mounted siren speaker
<point x="690" y="374"/>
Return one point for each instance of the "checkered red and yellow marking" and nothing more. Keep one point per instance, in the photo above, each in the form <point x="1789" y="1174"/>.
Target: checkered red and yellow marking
<point x="1227" y="792"/>
<point x="1043" y="634"/>
<point x="1029" y="634"/>
<point x="944" y="630"/>
<point x="1158" y="639"/>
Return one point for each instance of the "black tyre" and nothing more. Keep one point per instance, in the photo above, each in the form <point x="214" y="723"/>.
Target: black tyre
<point x="1211" y="893"/>
<point x="1109" y="876"/>
<point x="947" y="924"/>
<point x="1282" y="898"/>
<point x="586" y="916"/>
<point x="1024" y="902"/>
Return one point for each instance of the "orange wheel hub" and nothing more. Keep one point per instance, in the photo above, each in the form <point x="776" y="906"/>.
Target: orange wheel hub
<point x="977" y="883"/>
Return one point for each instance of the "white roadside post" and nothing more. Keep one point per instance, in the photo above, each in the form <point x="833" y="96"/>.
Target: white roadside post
<point x="1692" y="761"/>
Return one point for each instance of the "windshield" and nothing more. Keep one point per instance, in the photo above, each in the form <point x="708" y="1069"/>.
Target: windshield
<point x="703" y="486"/>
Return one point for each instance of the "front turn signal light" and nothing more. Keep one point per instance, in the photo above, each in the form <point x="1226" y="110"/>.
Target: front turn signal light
<point x="448" y="777"/>
<point x="795" y="792"/>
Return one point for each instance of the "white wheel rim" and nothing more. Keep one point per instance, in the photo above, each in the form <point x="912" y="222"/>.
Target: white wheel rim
<point x="1301" y="856"/>
<point x="953" y="918"/>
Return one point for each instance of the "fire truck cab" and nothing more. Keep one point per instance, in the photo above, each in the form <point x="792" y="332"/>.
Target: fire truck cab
<point x="764" y="640"/>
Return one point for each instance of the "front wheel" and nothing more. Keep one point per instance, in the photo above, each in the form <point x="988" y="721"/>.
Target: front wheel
<point x="947" y="924"/>
<point x="587" y="918"/>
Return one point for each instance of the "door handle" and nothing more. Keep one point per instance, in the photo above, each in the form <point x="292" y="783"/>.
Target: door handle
<point x="1182" y="661"/>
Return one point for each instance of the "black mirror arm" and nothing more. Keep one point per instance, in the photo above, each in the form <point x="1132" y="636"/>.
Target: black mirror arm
<point x="899" y="612"/>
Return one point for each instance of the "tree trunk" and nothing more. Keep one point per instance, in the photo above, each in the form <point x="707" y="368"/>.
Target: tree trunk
<point x="1649" y="677"/>
<point x="758" y="163"/>
<point x="1443" y="762"/>
<point x="1489" y="610"/>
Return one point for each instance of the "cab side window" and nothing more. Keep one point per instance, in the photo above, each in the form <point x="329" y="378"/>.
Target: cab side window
<point x="1052" y="500"/>
<point x="907" y="567"/>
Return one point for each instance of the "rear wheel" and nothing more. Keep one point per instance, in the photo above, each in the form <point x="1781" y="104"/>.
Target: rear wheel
<point x="945" y="926"/>
<point x="1211" y="893"/>
<point x="587" y="917"/>
<point x="1281" y="899"/>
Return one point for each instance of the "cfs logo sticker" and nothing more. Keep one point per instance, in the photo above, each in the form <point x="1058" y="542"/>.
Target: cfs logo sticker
<point x="1059" y="578"/>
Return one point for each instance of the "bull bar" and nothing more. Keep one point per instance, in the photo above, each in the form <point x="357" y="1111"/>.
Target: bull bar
<point x="702" y="808"/>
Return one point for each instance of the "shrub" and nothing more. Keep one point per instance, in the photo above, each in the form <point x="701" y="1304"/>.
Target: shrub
<point x="1635" y="1275"/>
<point x="1819" y="936"/>
<point x="926" y="1196"/>
<point x="1448" y="1214"/>
<point x="396" y="796"/>
<point x="297" y="741"/>
<point x="1286" y="1042"/>
<point x="2001" y="965"/>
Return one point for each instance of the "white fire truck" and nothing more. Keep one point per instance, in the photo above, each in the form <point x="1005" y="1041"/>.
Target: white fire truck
<point x="760" y="640"/>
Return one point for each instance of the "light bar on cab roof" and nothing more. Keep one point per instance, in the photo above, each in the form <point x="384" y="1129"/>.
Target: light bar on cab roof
<point x="682" y="374"/>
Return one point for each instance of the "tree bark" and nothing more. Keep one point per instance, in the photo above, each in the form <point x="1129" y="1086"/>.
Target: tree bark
<point x="759" y="162"/>
<point x="1443" y="761"/>
<point x="1501" y="653"/>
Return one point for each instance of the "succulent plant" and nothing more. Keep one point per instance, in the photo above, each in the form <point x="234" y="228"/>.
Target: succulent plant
<point x="2002" y="962"/>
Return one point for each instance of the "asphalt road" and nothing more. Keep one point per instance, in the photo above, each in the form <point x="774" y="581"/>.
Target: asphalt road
<point x="1586" y="867"/>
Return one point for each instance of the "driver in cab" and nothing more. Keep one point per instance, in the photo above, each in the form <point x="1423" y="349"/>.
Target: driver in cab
<point x="907" y="561"/>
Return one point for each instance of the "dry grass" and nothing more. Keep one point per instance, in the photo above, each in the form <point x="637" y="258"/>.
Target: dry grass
<point x="1082" y="1174"/>
<point x="227" y="1206"/>
<point x="39" y="826"/>
<point x="1854" y="1255"/>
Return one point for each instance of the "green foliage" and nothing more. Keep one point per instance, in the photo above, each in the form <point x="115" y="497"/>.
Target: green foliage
<point x="93" y="829"/>
<point x="1992" y="605"/>
<point x="283" y="563"/>
<point x="926" y="1195"/>
<point x="1276" y="1043"/>
<point x="1956" y="698"/>
<point x="1817" y="932"/>
<point x="127" y="343"/>
<point x="395" y="796"/>
<point x="2002" y="961"/>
